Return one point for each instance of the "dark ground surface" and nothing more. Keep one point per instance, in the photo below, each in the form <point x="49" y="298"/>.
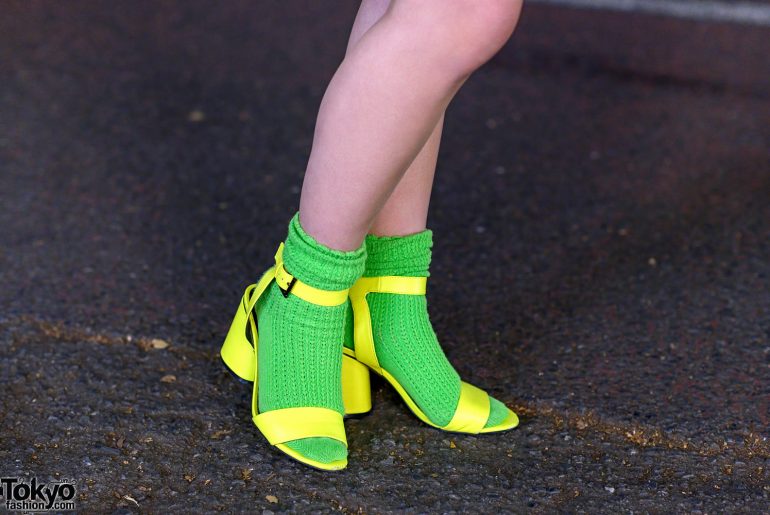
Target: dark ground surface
<point x="602" y="233"/>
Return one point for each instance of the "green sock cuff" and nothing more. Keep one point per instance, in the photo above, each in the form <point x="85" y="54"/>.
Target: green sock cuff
<point x="406" y="256"/>
<point x="318" y="265"/>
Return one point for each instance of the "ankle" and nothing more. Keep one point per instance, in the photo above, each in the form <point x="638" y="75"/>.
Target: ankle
<point x="318" y="265"/>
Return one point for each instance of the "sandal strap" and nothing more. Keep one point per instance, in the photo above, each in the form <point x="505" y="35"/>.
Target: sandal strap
<point x="290" y="284"/>
<point x="364" y="340"/>
<point x="472" y="410"/>
<point x="391" y="284"/>
<point x="284" y="425"/>
<point x="254" y="291"/>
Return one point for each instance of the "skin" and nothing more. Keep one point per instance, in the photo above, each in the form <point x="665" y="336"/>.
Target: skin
<point x="378" y="131"/>
<point x="406" y="210"/>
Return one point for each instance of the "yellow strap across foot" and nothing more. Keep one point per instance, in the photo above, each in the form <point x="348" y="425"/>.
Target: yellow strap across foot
<point x="362" y="327"/>
<point x="285" y="425"/>
<point x="290" y="284"/>
<point x="472" y="410"/>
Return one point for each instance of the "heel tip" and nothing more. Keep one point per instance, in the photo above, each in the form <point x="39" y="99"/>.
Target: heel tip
<point x="236" y="376"/>
<point x="356" y="416"/>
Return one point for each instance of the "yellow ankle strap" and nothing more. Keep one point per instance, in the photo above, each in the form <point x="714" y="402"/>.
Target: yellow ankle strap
<point x="290" y="284"/>
<point x="390" y="284"/>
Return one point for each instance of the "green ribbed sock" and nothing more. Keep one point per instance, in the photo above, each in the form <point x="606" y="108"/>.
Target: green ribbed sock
<point x="300" y="349"/>
<point x="404" y="339"/>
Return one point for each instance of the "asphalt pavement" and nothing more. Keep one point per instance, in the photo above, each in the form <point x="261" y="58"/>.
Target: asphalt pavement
<point x="601" y="260"/>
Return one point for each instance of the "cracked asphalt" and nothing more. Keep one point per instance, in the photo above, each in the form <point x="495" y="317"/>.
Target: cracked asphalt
<point x="602" y="233"/>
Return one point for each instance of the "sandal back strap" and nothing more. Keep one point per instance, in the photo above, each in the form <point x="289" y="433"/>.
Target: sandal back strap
<point x="363" y="338"/>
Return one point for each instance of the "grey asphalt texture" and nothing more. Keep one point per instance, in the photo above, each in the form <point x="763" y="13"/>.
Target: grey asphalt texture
<point x="601" y="261"/>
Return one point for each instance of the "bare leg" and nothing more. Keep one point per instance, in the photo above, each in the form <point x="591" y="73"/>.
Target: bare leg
<point x="384" y="104"/>
<point x="406" y="210"/>
<point x="368" y="14"/>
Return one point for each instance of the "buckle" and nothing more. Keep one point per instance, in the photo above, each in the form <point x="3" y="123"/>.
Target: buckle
<point x="288" y="288"/>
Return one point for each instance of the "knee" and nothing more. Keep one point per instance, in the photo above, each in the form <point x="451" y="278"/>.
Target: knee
<point x="483" y="28"/>
<point x="464" y="33"/>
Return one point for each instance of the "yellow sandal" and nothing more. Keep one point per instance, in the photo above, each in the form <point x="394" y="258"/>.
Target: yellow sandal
<point x="240" y="357"/>
<point x="472" y="409"/>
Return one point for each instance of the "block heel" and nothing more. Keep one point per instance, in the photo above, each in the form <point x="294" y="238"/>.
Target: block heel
<point x="356" y="388"/>
<point x="237" y="351"/>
